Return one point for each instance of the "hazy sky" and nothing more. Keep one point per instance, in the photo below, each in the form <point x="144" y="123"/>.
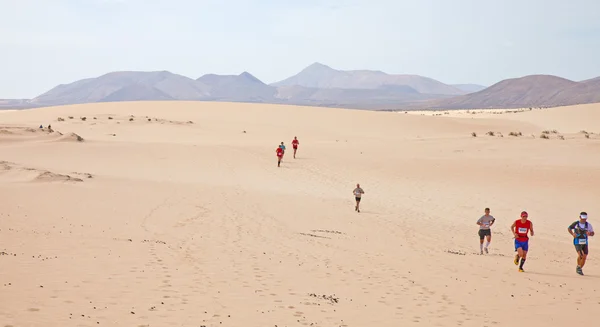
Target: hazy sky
<point x="44" y="43"/>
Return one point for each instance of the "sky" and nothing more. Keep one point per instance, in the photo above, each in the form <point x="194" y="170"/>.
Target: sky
<point x="44" y="43"/>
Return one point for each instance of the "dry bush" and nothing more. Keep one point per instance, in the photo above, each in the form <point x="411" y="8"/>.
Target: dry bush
<point x="110" y="118"/>
<point x="544" y="136"/>
<point x="60" y="119"/>
<point x="130" y="119"/>
<point x="83" y="118"/>
<point x="587" y="136"/>
<point x="149" y="119"/>
<point x="490" y="133"/>
<point x="474" y="134"/>
<point x="561" y="137"/>
<point x="546" y="132"/>
<point x="70" y="117"/>
<point x="515" y="134"/>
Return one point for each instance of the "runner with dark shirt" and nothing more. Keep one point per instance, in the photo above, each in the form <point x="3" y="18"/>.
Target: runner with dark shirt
<point x="580" y="230"/>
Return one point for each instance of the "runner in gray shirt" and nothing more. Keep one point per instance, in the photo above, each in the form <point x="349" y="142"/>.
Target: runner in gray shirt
<point x="485" y="222"/>
<point x="358" y="192"/>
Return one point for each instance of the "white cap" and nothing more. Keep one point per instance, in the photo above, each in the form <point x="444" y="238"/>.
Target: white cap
<point x="583" y="216"/>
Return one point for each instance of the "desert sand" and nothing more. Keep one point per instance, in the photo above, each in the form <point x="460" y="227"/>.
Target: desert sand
<point x="175" y="214"/>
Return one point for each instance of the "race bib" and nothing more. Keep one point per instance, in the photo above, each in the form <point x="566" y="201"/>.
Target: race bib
<point x="522" y="230"/>
<point x="486" y="224"/>
<point x="582" y="241"/>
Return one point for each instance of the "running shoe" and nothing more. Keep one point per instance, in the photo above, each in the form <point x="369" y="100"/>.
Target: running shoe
<point x="516" y="261"/>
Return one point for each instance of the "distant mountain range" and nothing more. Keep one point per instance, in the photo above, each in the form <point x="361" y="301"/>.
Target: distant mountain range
<point x="320" y="85"/>
<point x="528" y="91"/>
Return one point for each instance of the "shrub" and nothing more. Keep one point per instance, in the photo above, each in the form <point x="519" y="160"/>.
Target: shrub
<point x="561" y="137"/>
<point x="110" y="118"/>
<point x="130" y="119"/>
<point x="544" y="136"/>
<point x="515" y="134"/>
<point x="83" y="118"/>
<point x="70" y="117"/>
<point x="61" y="119"/>
<point x="546" y="132"/>
<point x="587" y="136"/>
<point x="490" y="133"/>
<point x="474" y="134"/>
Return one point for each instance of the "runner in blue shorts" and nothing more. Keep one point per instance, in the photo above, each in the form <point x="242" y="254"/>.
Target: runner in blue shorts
<point x="520" y="229"/>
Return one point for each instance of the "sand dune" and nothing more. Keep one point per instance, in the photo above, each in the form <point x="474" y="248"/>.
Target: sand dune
<point x="13" y="172"/>
<point x="10" y="134"/>
<point x="193" y="224"/>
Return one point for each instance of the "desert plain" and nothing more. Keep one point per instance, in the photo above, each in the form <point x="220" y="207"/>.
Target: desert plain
<point x="176" y="214"/>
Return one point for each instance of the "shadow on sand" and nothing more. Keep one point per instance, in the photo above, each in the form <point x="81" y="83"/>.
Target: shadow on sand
<point x="561" y="276"/>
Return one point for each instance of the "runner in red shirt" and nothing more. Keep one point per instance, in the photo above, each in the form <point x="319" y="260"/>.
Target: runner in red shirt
<point x="295" y="145"/>
<point x="279" y="152"/>
<point x="520" y="229"/>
